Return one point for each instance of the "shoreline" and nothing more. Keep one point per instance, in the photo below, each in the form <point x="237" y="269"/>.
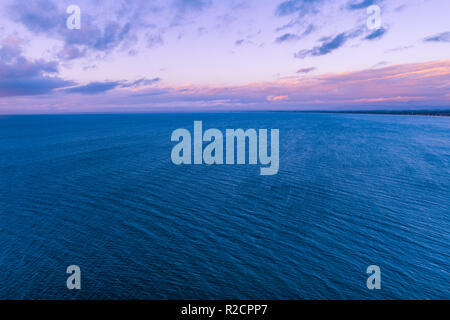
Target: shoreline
<point x="435" y="113"/>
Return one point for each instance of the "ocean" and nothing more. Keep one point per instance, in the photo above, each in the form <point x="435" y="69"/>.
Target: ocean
<point x="101" y="192"/>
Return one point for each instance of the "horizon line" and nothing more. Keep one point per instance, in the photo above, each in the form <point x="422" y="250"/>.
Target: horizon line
<point x="425" y="112"/>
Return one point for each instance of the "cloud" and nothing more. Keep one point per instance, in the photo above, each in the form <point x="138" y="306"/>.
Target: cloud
<point x="419" y="85"/>
<point x="94" y="87"/>
<point x="407" y="85"/>
<point x="377" y="34"/>
<point x="308" y="30"/>
<point x="38" y="15"/>
<point x="289" y="25"/>
<point x="240" y="42"/>
<point x="301" y="7"/>
<point x="277" y="98"/>
<point x="326" y="47"/>
<point x="154" y="40"/>
<point x="440" y="37"/>
<point x="20" y="76"/>
<point x="287" y="37"/>
<point x="30" y="86"/>
<point x="191" y="5"/>
<point x="329" y="44"/>
<point x="141" y="82"/>
<point x="10" y="50"/>
<point x="398" y="49"/>
<point x="92" y="37"/>
<point x="353" y="5"/>
<point x="306" y="70"/>
<point x="293" y="37"/>
<point x="70" y="52"/>
<point x="46" y="17"/>
<point x="101" y="87"/>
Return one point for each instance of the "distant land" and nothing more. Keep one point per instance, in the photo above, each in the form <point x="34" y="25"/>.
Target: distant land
<point x="436" y="113"/>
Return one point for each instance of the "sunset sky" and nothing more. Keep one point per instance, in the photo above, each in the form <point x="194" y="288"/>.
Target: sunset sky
<point x="210" y="55"/>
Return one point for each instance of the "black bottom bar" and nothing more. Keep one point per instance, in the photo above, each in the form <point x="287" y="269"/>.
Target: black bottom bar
<point x="225" y="309"/>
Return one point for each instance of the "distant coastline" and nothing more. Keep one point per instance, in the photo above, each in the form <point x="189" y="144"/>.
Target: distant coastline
<point x="433" y="113"/>
<point x="436" y="113"/>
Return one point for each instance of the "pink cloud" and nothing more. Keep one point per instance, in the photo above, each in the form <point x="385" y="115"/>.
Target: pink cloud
<point x="404" y="86"/>
<point x="277" y="98"/>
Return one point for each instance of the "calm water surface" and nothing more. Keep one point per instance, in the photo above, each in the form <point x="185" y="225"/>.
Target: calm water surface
<point x="101" y="192"/>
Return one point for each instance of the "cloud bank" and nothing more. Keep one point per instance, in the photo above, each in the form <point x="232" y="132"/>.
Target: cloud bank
<point x="421" y="85"/>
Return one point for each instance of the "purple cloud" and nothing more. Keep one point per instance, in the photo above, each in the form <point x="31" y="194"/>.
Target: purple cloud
<point x="142" y="82"/>
<point x="20" y="76"/>
<point x="329" y="44"/>
<point x="441" y="37"/>
<point x="353" y="5"/>
<point x="101" y="87"/>
<point x="326" y="47"/>
<point x="94" y="87"/>
<point x="377" y="34"/>
<point x="301" y="7"/>
<point x="306" y="70"/>
<point x="287" y="37"/>
<point x="44" y="16"/>
<point x="191" y="5"/>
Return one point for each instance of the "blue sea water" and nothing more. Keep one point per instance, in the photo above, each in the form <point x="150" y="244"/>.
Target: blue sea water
<point x="101" y="192"/>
